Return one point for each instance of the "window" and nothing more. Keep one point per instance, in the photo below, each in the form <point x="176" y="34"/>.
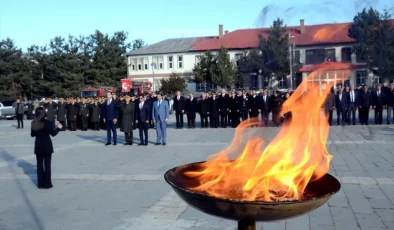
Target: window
<point x="208" y="86"/>
<point x="346" y="54"/>
<point x="170" y="62"/>
<point x="180" y="62"/>
<point x="254" y="81"/>
<point x="139" y="63"/>
<point x="330" y="55"/>
<point x="297" y="57"/>
<point x="133" y="67"/>
<point x="282" y="83"/>
<point x="146" y="63"/>
<point x="361" y="77"/>
<point x="376" y="80"/>
<point x="238" y="58"/>
<point x="315" y="56"/>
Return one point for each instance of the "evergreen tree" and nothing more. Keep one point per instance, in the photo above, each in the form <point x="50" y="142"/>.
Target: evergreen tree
<point x="173" y="84"/>
<point x="202" y="70"/>
<point x="14" y="72"/>
<point x="224" y="70"/>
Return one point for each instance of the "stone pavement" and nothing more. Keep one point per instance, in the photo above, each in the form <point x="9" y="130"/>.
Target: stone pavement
<point x="122" y="187"/>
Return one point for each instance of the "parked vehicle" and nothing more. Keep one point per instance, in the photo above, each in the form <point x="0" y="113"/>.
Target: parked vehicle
<point x="7" y="110"/>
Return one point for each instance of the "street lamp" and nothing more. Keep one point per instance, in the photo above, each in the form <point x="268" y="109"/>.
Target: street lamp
<point x="153" y="64"/>
<point x="260" y="77"/>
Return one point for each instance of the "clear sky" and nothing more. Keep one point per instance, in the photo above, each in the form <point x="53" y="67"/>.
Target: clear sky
<point x="37" y="21"/>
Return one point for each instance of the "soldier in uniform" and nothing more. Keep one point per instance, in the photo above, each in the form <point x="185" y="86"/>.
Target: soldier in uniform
<point x="128" y="118"/>
<point x="51" y="110"/>
<point x="62" y="113"/>
<point x="95" y="115"/>
<point x="214" y="111"/>
<point x="83" y="114"/>
<point x="72" y="111"/>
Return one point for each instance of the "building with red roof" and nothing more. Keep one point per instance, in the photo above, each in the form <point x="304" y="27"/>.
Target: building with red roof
<point x="314" y="44"/>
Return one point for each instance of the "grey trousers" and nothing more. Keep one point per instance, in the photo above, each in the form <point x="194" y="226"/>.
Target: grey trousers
<point x="390" y="112"/>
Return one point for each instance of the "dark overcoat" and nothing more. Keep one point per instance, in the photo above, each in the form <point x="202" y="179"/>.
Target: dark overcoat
<point x="128" y="119"/>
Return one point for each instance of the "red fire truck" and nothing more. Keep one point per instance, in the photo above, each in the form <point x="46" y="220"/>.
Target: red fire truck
<point x="97" y="91"/>
<point x="135" y="87"/>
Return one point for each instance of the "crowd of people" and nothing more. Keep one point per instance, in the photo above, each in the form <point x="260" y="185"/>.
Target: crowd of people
<point x="222" y="109"/>
<point x="216" y="110"/>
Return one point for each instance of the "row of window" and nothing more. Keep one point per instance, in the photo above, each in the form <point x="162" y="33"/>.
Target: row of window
<point x="141" y="64"/>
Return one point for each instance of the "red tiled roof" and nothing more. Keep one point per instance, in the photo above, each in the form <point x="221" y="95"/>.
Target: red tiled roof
<point x="248" y="38"/>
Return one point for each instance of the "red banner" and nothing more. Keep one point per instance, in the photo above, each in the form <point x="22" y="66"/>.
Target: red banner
<point x="125" y="85"/>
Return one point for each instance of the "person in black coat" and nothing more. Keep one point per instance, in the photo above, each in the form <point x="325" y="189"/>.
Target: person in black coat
<point x="42" y="129"/>
<point x="30" y="109"/>
<point x="214" y="111"/>
<point x="276" y="102"/>
<point x="264" y="107"/>
<point x="191" y="110"/>
<point x="51" y="110"/>
<point x="378" y="102"/>
<point x="243" y="106"/>
<point x="342" y="106"/>
<point x="95" y="115"/>
<point x="179" y="109"/>
<point x="128" y="111"/>
<point x="329" y="106"/>
<point x="253" y="105"/>
<point x="72" y="112"/>
<point x="233" y="109"/>
<point x="142" y="119"/>
<point x="62" y="113"/>
<point x="223" y="102"/>
<point x="204" y="110"/>
<point x="365" y="104"/>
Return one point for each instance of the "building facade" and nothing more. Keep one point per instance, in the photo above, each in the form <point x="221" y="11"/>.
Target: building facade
<point x="308" y="46"/>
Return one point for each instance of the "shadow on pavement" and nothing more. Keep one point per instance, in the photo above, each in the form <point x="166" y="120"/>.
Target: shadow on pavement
<point x="36" y="220"/>
<point x="29" y="169"/>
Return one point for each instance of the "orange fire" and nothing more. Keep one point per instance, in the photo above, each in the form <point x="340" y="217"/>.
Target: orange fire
<point x="280" y="170"/>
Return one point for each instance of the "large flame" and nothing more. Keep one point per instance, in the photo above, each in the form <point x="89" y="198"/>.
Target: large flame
<point x="281" y="170"/>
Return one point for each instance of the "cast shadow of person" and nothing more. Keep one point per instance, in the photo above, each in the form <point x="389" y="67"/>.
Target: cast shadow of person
<point x="95" y="138"/>
<point x="29" y="169"/>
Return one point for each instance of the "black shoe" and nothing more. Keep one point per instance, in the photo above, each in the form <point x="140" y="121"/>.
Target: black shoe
<point x="131" y="143"/>
<point x="140" y="144"/>
<point x="146" y="144"/>
<point x="17" y="128"/>
<point x="164" y="143"/>
<point x="108" y="143"/>
<point x="125" y="143"/>
<point x="114" y="144"/>
<point x="157" y="143"/>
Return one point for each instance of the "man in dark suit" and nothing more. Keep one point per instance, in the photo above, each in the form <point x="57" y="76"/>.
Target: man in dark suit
<point x="264" y="107"/>
<point x="342" y="105"/>
<point x="179" y="108"/>
<point x="378" y="102"/>
<point x="110" y="116"/>
<point x="365" y="104"/>
<point x="353" y="105"/>
<point x="19" y="111"/>
<point x="142" y="120"/>
<point x="329" y="106"/>
<point x="223" y="102"/>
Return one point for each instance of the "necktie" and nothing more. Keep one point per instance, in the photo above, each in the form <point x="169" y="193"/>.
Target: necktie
<point x="159" y="103"/>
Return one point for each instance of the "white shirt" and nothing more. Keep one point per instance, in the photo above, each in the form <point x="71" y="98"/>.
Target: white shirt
<point x="109" y="102"/>
<point x="141" y="105"/>
<point x="378" y="93"/>
<point x="191" y="99"/>
<point x="265" y="98"/>
<point x="158" y="104"/>
<point x="178" y="98"/>
<point x="352" y="96"/>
